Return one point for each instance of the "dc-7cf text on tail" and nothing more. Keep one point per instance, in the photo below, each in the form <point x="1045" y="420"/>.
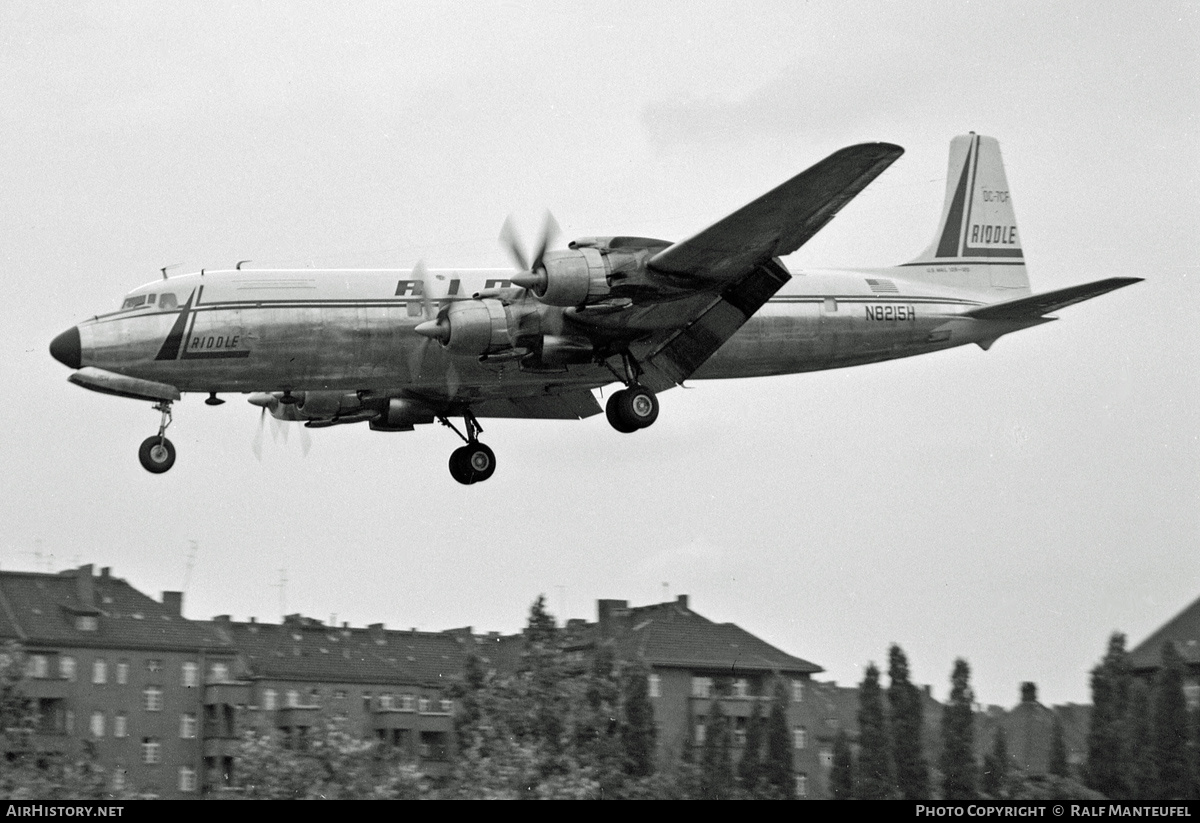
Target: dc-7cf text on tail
<point x="394" y="349"/>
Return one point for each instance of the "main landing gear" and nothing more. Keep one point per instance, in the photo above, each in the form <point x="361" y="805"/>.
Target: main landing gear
<point x="634" y="407"/>
<point x="157" y="454"/>
<point x="474" y="462"/>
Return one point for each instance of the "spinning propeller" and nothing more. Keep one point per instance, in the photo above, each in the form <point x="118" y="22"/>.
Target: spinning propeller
<point x="268" y="402"/>
<point x="532" y="274"/>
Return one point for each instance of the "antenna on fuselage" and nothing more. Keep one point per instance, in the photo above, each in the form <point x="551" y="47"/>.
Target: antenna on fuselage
<point x="240" y="262"/>
<point x="164" y="269"/>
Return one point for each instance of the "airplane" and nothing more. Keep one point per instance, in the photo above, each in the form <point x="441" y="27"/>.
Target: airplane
<point x="399" y="348"/>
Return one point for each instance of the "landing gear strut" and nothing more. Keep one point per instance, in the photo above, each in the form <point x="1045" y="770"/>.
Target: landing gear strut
<point x="474" y="462"/>
<point x="156" y="453"/>
<point x="634" y="407"/>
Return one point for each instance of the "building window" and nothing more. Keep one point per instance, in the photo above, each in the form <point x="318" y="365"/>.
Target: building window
<point x="1191" y="695"/>
<point x="151" y="750"/>
<point x="187" y="726"/>
<point x="153" y="699"/>
<point x="801" y="785"/>
<point x="422" y="704"/>
<point x="655" y="686"/>
<point x="293" y="698"/>
<point x="800" y="737"/>
<point x="701" y="686"/>
<point x="269" y="699"/>
<point x="797" y="691"/>
<point x="314" y="697"/>
<point x="340" y="694"/>
<point x="38" y="666"/>
<point x="191" y="674"/>
<point x="187" y="779"/>
<point x="739" y="732"/>
<point x="385" y="702"/>
<point x="406" y="702"/>
<point x="66" y="668"/>
<point x="700" y="730"/>
<point x="100" y="671"/>
<point x="218" y="673"/>
<point x="120" y="727"/>
<point x="97" y="724"/>
<point x="118" y="781"/>
<point x="123" y="672"/>
<point x="444" y="706"/>
<point x="87" y="622"/>
<point x="154" y="666"/>
<point x="827" y="758"/>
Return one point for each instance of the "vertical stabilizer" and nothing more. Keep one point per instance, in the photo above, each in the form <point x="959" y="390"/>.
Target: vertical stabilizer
<point x="977" y="244"/>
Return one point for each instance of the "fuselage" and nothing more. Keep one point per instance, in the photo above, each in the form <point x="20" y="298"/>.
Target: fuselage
<point x="353" y="330"/>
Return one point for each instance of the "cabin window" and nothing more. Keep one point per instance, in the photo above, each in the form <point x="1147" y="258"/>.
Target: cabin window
<point x="134" y="302"/>
<point x="168" y="301"/>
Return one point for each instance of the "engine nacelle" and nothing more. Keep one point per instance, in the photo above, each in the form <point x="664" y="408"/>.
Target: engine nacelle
<point x="325" y="405"/>
<point x="572" y="278"/>
<point x="477" y="327"/>
<point x="401" y="414"/>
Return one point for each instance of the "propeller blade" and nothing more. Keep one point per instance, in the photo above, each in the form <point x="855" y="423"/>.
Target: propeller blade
<point x="257" y="443"/>
<point x="550" y="232"/>
<point x="275" y="424"/>
<point x="305" y="441"/>
<point x="510" y="241"/>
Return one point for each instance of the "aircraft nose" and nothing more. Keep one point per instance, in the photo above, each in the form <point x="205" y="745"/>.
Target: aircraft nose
<point x="65" y="348"/>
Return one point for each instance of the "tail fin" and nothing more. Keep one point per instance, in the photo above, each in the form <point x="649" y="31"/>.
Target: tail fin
<point x="977" y="245"/>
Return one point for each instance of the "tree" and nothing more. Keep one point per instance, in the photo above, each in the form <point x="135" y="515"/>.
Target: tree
<point x="750" y="770"/>
<point x="1058" y="750"/>
<point x="995" y="766"/>
<point x="777" y="762"/>
<point x="716" y="763"/>
<point x="958" y="737"/>
<point x="1107" y="758"/>
<point x="875" y="775"/>
<point x="638" y="733"/>
<point x="907" y="721"/>
<point x="1169" y="723"/>
<point x="841" y="777"/>
<point x="1142" y="780"/>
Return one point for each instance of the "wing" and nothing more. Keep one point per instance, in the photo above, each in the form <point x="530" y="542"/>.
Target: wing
<point x="780" y="221"/>
<point x="1031" y="308"/>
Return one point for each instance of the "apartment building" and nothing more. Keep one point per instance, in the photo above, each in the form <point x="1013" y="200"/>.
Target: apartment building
<point x="116" y="675"/>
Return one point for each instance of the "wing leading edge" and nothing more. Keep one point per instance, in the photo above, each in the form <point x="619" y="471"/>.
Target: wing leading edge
<point x="780" y="221"/>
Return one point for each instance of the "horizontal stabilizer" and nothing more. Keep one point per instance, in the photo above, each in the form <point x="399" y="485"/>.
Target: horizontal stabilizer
<point x="1039" y="305"/>
<point x="107" y="382"/>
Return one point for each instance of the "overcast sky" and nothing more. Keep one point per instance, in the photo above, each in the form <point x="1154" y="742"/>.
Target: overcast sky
<point x="1012" y="507"/>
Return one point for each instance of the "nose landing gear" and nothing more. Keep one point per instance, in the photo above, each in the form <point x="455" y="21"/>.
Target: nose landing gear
<point x="157" y="454"/>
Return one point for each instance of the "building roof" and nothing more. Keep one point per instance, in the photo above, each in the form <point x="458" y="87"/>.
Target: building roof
<point x="1183" y="630"/>
<point x="305" y="649"/>
<point x="45" y="609"/>
<point x="671" y="634"/>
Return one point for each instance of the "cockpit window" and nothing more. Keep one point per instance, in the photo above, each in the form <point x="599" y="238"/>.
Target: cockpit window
<point x="134" y="302"/>
<point x="167" y="301"/>
<point x="150" y="299"/>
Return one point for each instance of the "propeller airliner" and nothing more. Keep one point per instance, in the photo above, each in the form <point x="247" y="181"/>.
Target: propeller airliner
<point x="398" y="348"/>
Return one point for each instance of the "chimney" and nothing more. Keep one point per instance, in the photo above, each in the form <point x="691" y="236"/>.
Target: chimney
<point x="84" y="587"/>
<point x="608" y="615"/>
<point x="375" y="632"/>
<point x="1028" y="692"/>
<point x="174" y="602"/>
<point x="223" y="619"/>
<point x="105" y="572"/>
<point x="682" y="600"/>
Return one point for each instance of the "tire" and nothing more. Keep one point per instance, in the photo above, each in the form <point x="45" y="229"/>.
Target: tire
<point x="459" y="469"/>
<point x="616" y="417"/>
<point x="638" y="407"/>
<point x="156" y="454"/>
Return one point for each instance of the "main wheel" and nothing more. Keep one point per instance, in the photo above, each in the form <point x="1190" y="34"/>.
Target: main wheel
<point x="472" y="463"/>
<point x="639" y="406"/>
<point x="157" y="454"/>
<point x="616" y="418"/>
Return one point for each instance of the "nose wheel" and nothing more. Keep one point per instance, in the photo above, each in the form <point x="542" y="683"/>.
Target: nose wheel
<point x="157" y="454"/>
<point x="473" y="462"/>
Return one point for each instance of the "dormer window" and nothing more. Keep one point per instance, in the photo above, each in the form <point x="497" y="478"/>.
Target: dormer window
<point x="87" y="622"/>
